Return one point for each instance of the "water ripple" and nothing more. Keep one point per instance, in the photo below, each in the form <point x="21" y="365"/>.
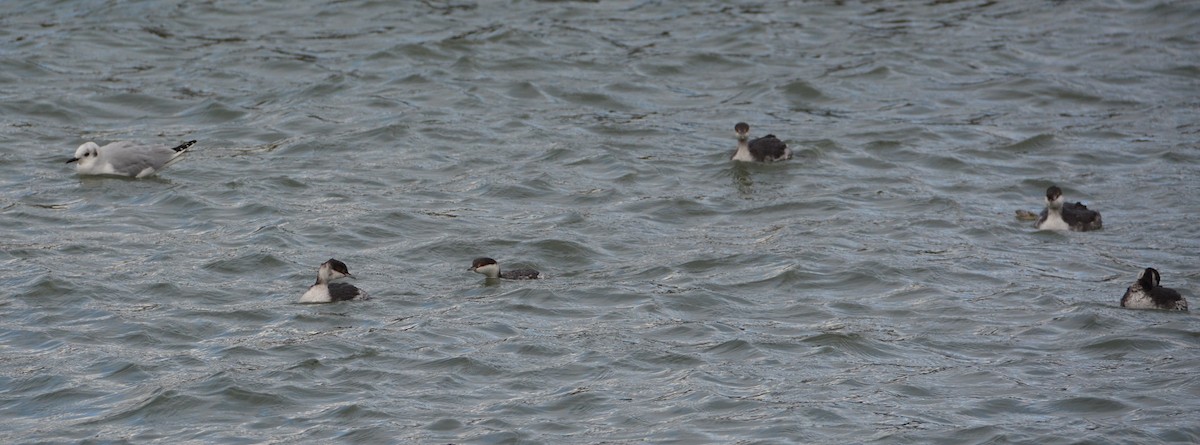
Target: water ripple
<point x="876" y="288"/>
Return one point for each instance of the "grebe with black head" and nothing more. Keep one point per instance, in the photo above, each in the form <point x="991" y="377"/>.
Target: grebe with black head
<point x="491" y="269"/>
<point x="1145" y="293"/>
<point x="1061" y="215"/>
<point x="325" y="292"/>
<point x="765" y="149"/>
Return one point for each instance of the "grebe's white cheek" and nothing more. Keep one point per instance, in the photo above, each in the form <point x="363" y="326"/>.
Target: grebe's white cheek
<point x="491" y="270"/>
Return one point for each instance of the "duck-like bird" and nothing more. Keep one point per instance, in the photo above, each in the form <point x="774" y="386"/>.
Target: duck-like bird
<point x="126" y="158"/>
<point x="1060" y="215"/>
<point x="1145" y="293"/>
<point x="764" y="149"/>
<point x="491" y="269"/>
<point x="325" y="292"/>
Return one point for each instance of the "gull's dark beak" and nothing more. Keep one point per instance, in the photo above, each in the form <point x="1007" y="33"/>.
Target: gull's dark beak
<point x="72" y="160"/>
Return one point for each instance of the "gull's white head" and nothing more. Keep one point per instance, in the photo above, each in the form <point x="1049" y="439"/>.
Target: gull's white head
<point x="86" y="156"/>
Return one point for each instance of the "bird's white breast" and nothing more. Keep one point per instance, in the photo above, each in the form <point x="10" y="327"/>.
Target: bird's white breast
<point x="318" y="293"/>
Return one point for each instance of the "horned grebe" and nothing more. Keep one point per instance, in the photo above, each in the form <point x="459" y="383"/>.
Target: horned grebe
<point x="1060" y="215"/>
<point x="491" y="269"/>
<point x="325" y="292"/>
<point x="126" y="158"/>
<point x="766" y="148"/>
<point x="1145" y="293"/>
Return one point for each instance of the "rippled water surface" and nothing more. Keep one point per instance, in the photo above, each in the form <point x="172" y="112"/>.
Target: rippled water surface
<point x="875" y="289"/>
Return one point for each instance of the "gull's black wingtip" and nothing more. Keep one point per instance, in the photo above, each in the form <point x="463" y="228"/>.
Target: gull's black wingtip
<point x="184" y="146"/>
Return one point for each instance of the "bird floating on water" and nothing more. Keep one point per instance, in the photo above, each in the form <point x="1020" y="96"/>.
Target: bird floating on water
<point x="325" y="292"/>
<point x="1145" y="293"/>
<point x="1061" y="215"/>
<point x="126" y="158"/>
<point x="764" y="149"/>
<point x="491" y="269"/>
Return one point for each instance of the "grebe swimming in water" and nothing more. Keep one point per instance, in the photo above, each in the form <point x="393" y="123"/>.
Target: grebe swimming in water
<point x="126" y="158"/>
<point x="325" y="292"/>
<point x="1145" y="293"/>
<point x="766" y="148"/>
<point x="1060" y="215"/>
<point x="491" y="269"/>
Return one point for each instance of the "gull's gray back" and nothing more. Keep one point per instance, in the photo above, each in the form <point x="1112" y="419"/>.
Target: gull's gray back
<point x="131" y="158"/>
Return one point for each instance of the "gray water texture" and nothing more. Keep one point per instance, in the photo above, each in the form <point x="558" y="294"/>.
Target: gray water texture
<point x="875" y="289"/>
